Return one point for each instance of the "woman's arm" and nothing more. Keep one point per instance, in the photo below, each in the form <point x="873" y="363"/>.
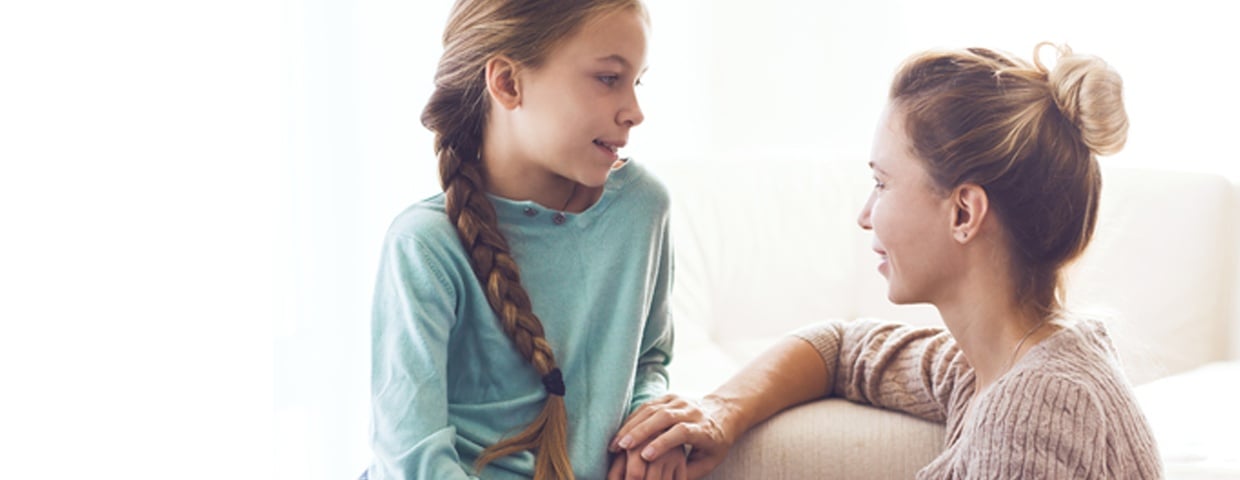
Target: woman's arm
<point x="789" y="373"/>
<point x="890" y="365"/>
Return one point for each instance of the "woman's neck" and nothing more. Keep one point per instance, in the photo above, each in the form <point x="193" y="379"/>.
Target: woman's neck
<point x="992" y="329"/>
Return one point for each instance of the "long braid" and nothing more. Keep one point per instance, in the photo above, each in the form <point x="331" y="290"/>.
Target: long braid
<point x="473" y="215"/>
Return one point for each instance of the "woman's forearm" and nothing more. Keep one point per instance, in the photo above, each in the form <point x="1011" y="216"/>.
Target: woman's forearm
<point x="790" y="373"/>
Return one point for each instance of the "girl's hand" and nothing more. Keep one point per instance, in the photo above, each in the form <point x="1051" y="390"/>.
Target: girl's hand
<point x="670" y="422"/>
<point x="629" y="465"/>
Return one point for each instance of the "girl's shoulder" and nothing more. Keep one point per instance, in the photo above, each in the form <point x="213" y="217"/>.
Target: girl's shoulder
<point x="425" y="223"/>
<point x="632" y="174"/>
<point x="632" y="181"/>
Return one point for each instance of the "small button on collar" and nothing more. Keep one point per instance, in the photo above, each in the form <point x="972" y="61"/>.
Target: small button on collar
<point x="529" y="211"/>
<point x="558" y="218"/>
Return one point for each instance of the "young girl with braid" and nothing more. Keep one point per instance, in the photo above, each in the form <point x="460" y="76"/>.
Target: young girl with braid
<point x="521" y="315"/>
<point x="986" y="186"/>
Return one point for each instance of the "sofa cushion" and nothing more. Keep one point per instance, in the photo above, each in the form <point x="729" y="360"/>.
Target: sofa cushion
<point x="1194" y="418"/>
<point x="830" y="439"/>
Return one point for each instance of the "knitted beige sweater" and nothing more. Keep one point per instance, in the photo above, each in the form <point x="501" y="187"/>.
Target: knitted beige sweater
<point x="1065" y="410"/>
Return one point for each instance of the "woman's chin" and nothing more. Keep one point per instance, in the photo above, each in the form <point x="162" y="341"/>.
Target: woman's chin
<point x="897" y="297"/>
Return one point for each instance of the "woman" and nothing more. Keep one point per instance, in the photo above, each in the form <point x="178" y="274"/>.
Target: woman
<point x="986" y="186"/>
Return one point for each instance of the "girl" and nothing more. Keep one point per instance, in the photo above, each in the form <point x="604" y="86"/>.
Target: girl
<point x="481" y="367"/>
<point x="986" y="187"/>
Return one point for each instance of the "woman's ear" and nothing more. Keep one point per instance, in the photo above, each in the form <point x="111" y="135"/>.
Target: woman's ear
<point x="502" y="83"/>
<point x="970" y="206"/>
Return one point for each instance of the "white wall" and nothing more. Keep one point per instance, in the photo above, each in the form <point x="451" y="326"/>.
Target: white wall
<point x="142" y="174"/>
<point x="180" y="183"/>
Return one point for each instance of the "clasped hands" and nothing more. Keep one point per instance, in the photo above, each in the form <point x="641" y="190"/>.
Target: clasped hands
<point x="669" y="438"/>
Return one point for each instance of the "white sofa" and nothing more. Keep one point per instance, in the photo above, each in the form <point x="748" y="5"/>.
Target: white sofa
<point x="769" y="243"/>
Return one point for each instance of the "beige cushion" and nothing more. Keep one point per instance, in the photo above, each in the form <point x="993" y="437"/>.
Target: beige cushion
<point x="834" y="438"/>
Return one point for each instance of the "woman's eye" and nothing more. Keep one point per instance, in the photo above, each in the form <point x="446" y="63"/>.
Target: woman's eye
<point x="609" y="80"/>
<point x="879" y="185"/>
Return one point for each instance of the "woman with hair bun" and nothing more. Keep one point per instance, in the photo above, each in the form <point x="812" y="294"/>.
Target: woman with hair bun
<point x="986" y="187"/>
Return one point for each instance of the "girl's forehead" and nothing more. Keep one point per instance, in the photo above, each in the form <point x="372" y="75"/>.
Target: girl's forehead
<point x="618" y="36"/>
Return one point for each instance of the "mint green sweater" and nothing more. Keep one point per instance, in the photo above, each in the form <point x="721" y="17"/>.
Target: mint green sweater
<point x="447" y="382"/>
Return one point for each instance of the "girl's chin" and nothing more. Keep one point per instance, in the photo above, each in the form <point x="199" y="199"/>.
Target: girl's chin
<point x="594" y="179"/>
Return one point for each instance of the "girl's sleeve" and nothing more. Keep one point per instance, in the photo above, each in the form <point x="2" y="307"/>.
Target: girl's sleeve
<point x="414" y="311"/>
<point x="915" y="370"/>
<point x="656" y="346"/>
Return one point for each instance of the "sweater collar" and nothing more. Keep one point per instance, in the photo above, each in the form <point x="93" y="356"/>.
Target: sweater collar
<point x="525" y="211"/>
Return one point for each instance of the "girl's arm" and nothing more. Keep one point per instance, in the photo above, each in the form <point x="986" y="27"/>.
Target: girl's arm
<point x="651" y="380"/>
<point x="412" y="316"/>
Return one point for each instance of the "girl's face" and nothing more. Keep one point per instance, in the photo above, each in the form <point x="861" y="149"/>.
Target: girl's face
<point x="578" y="106"/>
<point x="910" y="218"/>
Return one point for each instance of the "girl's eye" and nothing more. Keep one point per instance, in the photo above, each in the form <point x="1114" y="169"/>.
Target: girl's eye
<point x="609" y="80"/>
<point x="879" y="185"/>
<point x="639" y="82"/>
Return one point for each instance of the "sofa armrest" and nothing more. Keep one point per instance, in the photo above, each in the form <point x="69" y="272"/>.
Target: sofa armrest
<point x="834" y="438"/>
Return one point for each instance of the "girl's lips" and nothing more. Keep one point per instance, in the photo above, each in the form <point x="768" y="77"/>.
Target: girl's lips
<point x="608" y="145"/>
<point x="608" y="149"/>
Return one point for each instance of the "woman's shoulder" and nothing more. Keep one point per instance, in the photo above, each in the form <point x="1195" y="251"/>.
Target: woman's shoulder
<point x="1079" y="359"/>
<point x="1080" y="343"/>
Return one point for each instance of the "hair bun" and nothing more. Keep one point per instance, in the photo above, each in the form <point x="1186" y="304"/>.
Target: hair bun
<point x="1089" y="94"/>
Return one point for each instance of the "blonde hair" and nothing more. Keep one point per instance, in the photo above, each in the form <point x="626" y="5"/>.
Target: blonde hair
<point x="525" y="31"/>
<point x="1029" y="136"/>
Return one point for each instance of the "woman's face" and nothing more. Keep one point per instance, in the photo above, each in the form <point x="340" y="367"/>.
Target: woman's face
<point x="911" y="219"/>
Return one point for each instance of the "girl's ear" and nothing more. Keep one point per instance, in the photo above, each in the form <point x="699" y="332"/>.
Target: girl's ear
<point x="970" y="206"/>
<point x="502" y="83"/>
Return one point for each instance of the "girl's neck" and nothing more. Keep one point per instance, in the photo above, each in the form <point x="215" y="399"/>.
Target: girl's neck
<point x="524" y="182"/>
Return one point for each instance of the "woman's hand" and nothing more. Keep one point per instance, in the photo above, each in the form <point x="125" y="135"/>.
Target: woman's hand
<point x="667" y="424"/>
<point x="629" y="465"/>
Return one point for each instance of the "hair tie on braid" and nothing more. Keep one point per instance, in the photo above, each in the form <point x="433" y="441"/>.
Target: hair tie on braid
<point x="553" y="381"/>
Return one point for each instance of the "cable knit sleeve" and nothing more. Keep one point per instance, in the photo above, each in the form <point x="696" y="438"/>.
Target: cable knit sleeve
<point x="916" y="370"/>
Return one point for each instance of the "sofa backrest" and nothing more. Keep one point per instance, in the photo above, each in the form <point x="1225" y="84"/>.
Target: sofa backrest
<point x="766" y="244"/>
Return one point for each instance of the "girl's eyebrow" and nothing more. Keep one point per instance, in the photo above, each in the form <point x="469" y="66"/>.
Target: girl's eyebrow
<point x="617" y="58"/>
<point x="876" y="167"/>
<point x="624" y="62"/>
